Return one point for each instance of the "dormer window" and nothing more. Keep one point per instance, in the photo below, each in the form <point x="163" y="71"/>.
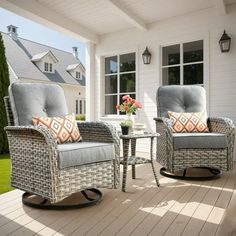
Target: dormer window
<point x="50" y="67"/>
<point x="76" y="71"/>
<point x="47" y="67"/>
<point x="77" y="75"/>
<point x="45" y="61"/>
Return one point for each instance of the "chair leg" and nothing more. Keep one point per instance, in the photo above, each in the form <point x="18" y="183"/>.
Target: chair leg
<point x="27" y="199"/>
<point x="213" y="174"/>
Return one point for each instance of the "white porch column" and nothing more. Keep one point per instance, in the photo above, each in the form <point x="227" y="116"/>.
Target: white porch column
<point x="90" y="81"/>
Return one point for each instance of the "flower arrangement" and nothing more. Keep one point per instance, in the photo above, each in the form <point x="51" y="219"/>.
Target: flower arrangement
<point x="129" y="105"/>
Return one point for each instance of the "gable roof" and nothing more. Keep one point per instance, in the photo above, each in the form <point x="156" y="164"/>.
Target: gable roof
<point x="40" y="56"/>
<point x="74" y="66"/>
<point x="20" y="52"/>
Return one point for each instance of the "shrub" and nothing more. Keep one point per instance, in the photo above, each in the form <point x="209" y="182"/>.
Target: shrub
<point x="4" y="84"/>
<point x="80" y="117"/>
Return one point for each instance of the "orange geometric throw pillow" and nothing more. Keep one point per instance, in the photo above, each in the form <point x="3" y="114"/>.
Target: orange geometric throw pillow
<point x="65" y="129"/>
<point x="188" y="122"/>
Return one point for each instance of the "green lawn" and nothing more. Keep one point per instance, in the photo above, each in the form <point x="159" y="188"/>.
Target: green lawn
<point x="5" y="173"/>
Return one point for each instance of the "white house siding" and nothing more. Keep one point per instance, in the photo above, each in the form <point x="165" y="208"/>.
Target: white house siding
<point x="220" y="73"/>
<point x="71" y="93"/>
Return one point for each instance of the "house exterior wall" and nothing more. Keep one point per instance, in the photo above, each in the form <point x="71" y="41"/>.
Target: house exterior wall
<point x="220" y="68"/>
<point x="72" y="93"/>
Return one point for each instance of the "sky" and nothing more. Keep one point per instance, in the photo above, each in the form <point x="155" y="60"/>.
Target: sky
<point x="33" y="31"/>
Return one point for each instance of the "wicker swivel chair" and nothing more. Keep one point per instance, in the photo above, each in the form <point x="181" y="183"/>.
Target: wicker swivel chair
<point x="54" y="171"/>
<point x="177" y="152"/>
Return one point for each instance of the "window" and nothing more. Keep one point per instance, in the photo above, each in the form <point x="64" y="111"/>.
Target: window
<point x="120" y="79"/>
<point x="47" y="67"/>
<point x="50" y="67"/>
<point x="77" y="75"/>
<point x="76" y="107"/>
<point x="80" y="106"/>
<point x="183" y="64"/>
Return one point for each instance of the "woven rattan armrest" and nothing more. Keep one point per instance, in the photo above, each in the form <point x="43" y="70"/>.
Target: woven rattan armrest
<point x="102" y="132"/>
<point x="31" y="130"/>
<point x="29" y="136"/>
<point x="167" y="122"/>
<point x="98" y="132"/>
<point x="220" y="125"/>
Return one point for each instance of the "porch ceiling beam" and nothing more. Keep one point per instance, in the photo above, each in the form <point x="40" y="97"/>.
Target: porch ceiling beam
<point x="221" y="7"/>
<point x="32" y="10"/>
<point x="128" y="15"/>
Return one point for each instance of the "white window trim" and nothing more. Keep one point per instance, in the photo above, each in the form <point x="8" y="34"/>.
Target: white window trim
<point x="206" y="49"/>
<point x="48" y="71"/>
<point x="80" y="101"/>
<point x="102" y="82"/>
<point x="80" y="75"/>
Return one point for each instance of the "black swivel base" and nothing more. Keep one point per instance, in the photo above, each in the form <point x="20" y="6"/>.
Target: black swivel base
<point x="34" y="201"/>
<point x="210" y="173"/>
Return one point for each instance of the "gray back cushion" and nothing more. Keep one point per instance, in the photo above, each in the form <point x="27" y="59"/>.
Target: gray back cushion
<point x="177" y="98"/>
<point x="35" y="99"/>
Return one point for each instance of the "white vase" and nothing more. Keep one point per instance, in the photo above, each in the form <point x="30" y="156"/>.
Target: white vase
<point x="130" y="117"/>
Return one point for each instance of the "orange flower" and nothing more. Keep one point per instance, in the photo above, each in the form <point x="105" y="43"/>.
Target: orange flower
<point x="126" y="108"/>
<point x="117" y="107"/>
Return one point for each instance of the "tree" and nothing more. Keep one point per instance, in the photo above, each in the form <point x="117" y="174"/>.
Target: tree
<point x="4" y="84"/>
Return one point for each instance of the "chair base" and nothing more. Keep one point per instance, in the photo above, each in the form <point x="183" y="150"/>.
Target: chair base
<point x="213" y="174"/>
<point x="35" y="201"/>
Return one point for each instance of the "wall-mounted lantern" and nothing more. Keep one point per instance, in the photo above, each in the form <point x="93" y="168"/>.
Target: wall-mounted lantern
<point x="146" y="57"/>
<point x="224" y="42"/>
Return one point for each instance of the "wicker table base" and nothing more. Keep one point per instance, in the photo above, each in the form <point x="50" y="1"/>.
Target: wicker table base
<point x="133" y="159"/>
<point x="34" y="201"/>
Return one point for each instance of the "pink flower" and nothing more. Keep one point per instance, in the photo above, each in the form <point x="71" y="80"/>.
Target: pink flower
<point x="125" y="97"/>
<point x="117" y="107"/>
<point x="138" y="105"/>
<point x="129" y="99"/>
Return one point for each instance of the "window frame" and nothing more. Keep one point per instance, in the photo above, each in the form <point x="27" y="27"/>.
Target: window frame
<point x="48" y="66"/>
<point x="80" y="106"/>
<point x="182" y="63"/>
<point x="205" y="36"/>
<point x="118" y="73"/>
<point x="79" y="75"/>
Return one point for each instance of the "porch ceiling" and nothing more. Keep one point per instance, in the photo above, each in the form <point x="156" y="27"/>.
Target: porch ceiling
<point x="88" y="19"/>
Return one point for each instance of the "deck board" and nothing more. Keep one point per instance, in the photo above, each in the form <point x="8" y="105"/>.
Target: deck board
<point x="176" y="208"/>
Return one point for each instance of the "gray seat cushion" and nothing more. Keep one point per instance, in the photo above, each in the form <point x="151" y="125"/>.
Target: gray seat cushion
<point x="199" y="140"/>
<point x="75" y="154"/>
<point x="180" y="98"/>
<point x="36" y="99"/>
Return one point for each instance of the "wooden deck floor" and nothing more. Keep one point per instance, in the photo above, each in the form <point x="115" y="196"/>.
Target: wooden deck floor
<point x="176" y="208"/>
